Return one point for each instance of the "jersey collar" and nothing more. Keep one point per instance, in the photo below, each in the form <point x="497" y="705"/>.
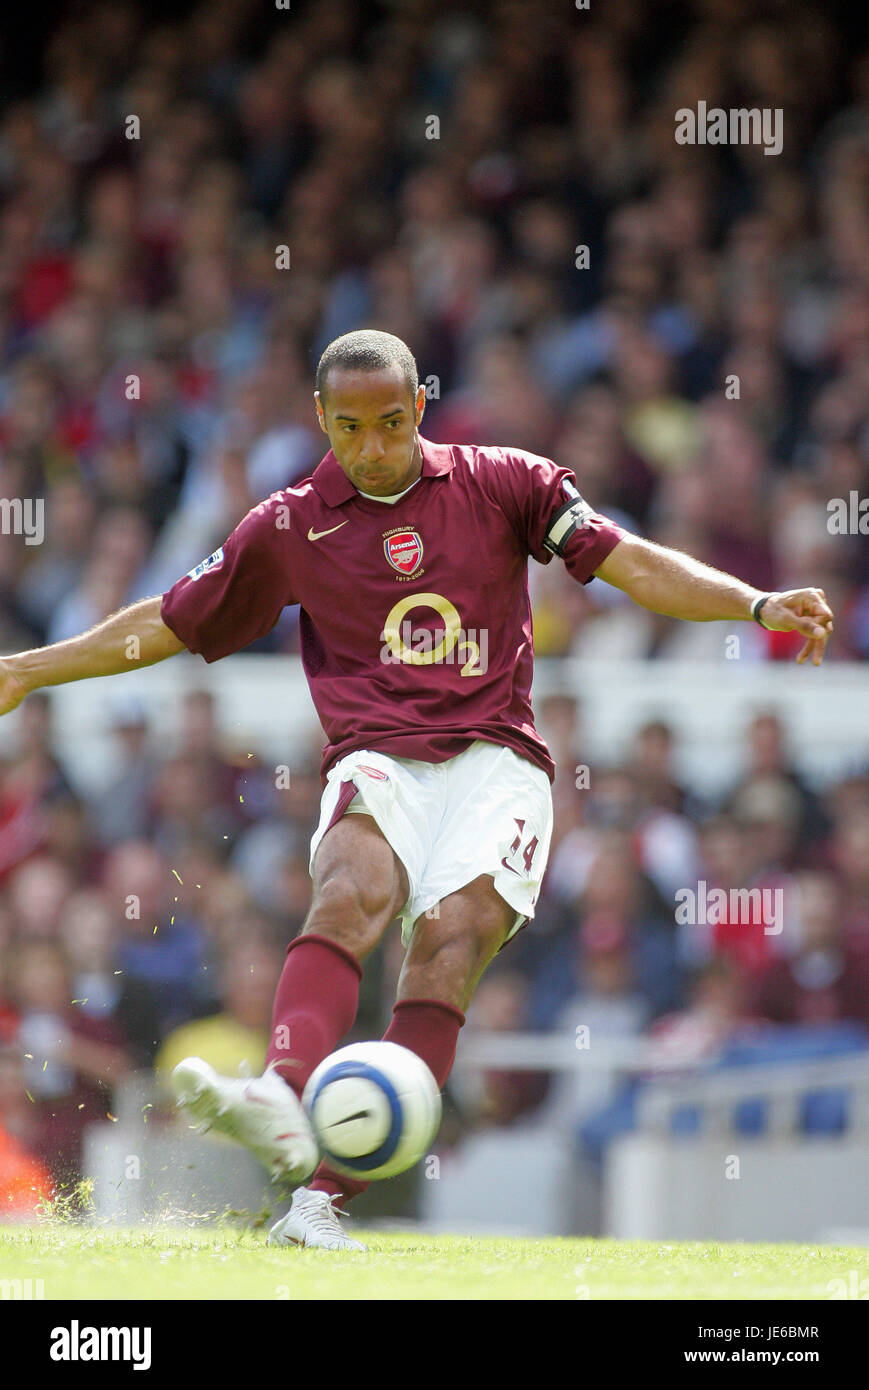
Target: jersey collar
<point x="335" y="487"/>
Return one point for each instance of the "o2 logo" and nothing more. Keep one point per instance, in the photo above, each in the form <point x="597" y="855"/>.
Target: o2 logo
<point x="421" y="646"/>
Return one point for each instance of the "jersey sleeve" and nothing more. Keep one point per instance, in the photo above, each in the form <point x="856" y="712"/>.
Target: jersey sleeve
<point x="235" y="596"/>
<point x="552" y="517"/>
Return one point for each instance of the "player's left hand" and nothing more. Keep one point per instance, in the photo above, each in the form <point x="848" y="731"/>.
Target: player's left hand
<point x="805" y="611"/>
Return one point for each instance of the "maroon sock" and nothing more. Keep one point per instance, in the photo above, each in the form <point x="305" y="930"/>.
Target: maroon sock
<point x="315" y="1006"/>
<point x="427" y="1027"/>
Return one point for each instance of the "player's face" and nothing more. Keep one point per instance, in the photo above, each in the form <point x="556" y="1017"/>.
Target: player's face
<point x="371" y="420"/>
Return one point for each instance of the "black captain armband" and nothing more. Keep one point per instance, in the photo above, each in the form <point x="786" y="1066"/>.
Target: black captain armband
<point x="569" y="519"/>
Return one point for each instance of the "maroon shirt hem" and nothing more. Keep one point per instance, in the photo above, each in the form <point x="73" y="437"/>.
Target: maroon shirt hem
<point x="434" y="748"/>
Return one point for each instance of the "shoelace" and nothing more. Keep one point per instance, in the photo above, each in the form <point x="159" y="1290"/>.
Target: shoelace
<point x="323" y="1216"/>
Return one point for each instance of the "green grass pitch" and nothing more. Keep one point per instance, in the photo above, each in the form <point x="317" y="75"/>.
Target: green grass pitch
<point x="164" y="1262"/>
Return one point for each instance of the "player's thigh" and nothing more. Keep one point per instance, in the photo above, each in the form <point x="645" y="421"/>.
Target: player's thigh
<point x="452" y="944"/>
<point x="360" y="885"/>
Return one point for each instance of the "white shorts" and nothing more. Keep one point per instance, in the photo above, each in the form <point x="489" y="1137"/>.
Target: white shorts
<point x="486" y="811"/>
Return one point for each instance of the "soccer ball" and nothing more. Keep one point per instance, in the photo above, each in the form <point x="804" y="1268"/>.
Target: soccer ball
<point x="375" y="1108"/>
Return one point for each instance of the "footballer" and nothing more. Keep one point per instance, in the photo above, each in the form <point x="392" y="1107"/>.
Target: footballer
<point x="403" y="555"/>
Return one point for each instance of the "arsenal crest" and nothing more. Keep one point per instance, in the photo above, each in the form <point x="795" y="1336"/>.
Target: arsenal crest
<point x="403" y="550"/>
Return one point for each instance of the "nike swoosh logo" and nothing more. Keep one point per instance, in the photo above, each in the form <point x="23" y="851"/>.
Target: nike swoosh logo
<point x="317" y="535"/>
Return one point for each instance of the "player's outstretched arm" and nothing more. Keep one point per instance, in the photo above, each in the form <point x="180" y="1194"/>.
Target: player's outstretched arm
<point x="669" y="582"/>
<point x="136" y="636"/>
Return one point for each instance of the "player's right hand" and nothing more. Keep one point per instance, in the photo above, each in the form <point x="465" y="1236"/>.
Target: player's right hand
<point x="805" y="611"/>
<point x="12" y="692"/>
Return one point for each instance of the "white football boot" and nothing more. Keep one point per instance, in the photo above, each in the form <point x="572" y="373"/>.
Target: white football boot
<point x="262" y="1113"/>
<point x="312" y="1220"/>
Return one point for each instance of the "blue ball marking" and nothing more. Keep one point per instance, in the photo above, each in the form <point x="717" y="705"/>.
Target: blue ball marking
<point x="340" y="1072"/>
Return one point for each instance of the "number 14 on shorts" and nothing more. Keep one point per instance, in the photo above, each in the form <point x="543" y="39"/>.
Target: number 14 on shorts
<point x="522" y="850"/>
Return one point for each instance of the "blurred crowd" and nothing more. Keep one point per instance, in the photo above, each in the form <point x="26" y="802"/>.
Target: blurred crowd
<point x="614" y="957"/>
<point x="432" y="171"/>
<point x="156" y="351"/>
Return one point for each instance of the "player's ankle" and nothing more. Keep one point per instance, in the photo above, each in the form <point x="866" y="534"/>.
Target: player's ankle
<point x="333" y="1188"/>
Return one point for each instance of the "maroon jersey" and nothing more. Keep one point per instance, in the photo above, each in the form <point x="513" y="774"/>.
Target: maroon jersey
<point x="415" y="617"/>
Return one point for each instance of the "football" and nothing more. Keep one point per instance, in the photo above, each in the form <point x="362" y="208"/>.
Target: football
<point x="375" y="1108"/>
